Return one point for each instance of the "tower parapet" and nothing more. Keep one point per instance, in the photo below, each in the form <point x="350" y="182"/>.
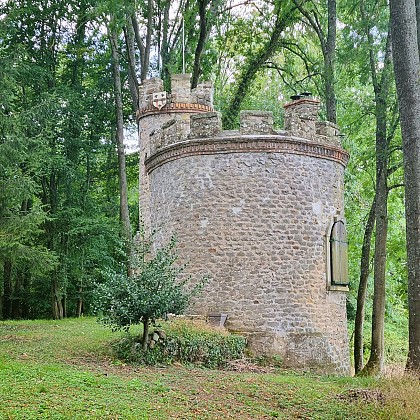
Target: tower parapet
<point x="256" y="122"/>
<point x="257" y="210"/>
<point x="208" y="124"/>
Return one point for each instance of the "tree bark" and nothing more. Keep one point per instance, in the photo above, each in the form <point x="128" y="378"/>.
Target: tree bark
<point x="79" y="310"/>
<point x="17" y="296"/>
<point x="206" y="23"/>
<point x="407" y="74"/>
<point x="361" y="293"/>
<point x="146" y="323"/>
<point x="7" y="288"/>
<point x="146" y="56"/>
<point x="375" y="363"/>
<point x="164" y="51"/>
<point x="329" y="63"/>
<point x="202" y="4"/>
<point x="122" y="174"/>
<point x="133" y="83"/>
<point x="57" y="303"/>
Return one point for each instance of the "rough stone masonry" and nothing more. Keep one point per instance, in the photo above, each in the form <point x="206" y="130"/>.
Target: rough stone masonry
<point x="254" y="209"/>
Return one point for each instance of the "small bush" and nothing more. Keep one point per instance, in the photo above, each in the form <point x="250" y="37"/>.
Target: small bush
<point x="186" y="342"/>
<point x="154" y="289"/>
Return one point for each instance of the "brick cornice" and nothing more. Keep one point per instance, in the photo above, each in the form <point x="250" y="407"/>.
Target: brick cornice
<point x="173" y="107"/>
<point x="302" y="101"/>
<point x="246" y="144"/>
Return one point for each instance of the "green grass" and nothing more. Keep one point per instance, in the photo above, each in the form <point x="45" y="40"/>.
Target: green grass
<point x="64" y="370"/>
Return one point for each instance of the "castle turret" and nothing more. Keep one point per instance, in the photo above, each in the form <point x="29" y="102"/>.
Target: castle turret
<point x="162" y="113"/>
<point x="261" y="211"/>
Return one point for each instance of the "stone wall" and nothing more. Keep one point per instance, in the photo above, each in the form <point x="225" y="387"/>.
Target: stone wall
<point x="252" y="209"/>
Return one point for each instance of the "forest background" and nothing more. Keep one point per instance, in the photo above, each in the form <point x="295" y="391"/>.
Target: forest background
<point x="69" y="74"/>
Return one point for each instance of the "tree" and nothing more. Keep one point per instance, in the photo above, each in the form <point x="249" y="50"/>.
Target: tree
<point x="405" y="45"/>
<point x="21" y="214"/>
<point x="124" y="212"/>
<point x="327" y="38"/>
<point x="284" y="16"/>
<point x="152" y="291"/>
<point x="206" y="19"/>
<point x="381" y="85"/>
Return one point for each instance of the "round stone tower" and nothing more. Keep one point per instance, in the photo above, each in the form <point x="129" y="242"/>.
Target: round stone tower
<point x="261" y="212"/>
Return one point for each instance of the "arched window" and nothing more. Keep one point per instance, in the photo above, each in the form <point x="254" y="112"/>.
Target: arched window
<point x="338" y="255"/>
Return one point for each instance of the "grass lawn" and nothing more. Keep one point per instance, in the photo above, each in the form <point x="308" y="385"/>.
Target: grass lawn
<point x="64" y="370"/>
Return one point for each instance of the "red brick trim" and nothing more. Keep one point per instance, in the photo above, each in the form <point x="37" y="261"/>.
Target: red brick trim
<point x="302" y="101"/>
<point x="254" y="144"/>
<point x="173" y="107"/>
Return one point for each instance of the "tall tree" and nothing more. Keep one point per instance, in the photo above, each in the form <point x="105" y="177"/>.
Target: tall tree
<point x="405" y="44"/>
<point x="362" y="290"/>
<point x="327" y="35"/>
<point x="119" y="133"/>
<point x="381" y="85"/>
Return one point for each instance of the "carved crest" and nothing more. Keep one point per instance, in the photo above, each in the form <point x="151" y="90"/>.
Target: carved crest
<point x="159" y="100"/>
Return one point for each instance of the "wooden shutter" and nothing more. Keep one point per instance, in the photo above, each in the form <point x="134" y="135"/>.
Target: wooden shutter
<point x="339" y="254"/>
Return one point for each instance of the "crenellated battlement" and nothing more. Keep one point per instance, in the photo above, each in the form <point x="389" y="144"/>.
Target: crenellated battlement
<point x="300" y="121"/>
<point x="153" y="98"/>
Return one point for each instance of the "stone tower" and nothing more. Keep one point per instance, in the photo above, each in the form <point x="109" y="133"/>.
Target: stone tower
<point x="260" y="211"/>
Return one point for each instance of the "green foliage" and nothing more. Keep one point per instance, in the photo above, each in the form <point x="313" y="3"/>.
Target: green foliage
<point x="186" y="342"/>
<point x="154" y="289"/>
<point x="58" y="186"/>
<point x="396" y="339"/>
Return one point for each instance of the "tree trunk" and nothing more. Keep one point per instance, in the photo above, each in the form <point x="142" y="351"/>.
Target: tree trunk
<point x="328" y="46"/>
<point x="79" y="310"/>
<point x="122" y="174"/>
<point x="57" y="305"/>
<point x="17" y="296"/>
<point x="26" y="282"/>
<point x="407" y="70"/>
<point x="146" y="323"/>
<point x="329" y="63"/>
<point x="375" y="363"/>
<point x="7" y="288"/>
<point x="361" y="293"/>
<point x="146" y="56"/>
<point x="131" y="59"/>
<point x="164" y="52"/>
<point x="202" y="4"/>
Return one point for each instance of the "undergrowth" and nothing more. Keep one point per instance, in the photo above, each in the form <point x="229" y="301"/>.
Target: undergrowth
<point x="186" y="342"/>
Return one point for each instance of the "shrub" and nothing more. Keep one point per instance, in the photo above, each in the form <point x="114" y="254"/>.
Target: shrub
<point x="186" y="342"/>
<point x="153" y="290"/>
